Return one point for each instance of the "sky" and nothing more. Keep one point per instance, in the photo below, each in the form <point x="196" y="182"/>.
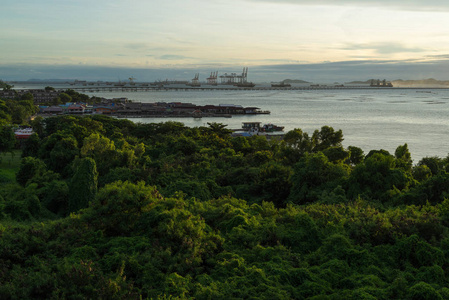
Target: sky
<point x="313" y="40"/>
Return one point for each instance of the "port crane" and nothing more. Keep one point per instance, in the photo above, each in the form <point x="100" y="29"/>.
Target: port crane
<point x="212" y="79"/>
<point x="244" y="77"/>
<point x="234" y="79"/>
<point x="195" y="81"/>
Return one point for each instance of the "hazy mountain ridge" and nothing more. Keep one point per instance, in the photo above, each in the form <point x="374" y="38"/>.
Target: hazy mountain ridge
<point x="295" y="81"/>
<point x="360" y="82"/>
<point x="430" y="82"/>
<point x="366" y="81"/>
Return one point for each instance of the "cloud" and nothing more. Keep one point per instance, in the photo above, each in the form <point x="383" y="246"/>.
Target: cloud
<point x="136" y="46"/>
<point x="325" y="72"/>
<point x="440" y="56"/>
<point x="345" y="71"/>
<point x="414" y="5"/>
<point x="173" y="57"/>
<point x="383" y="48"/>
<point x="281" y="61"/>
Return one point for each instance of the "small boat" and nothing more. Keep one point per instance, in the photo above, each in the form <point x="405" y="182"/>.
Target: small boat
<point x="194" y="84"/>
<point x="245" y="84"/>
<point x="271" y="128"/>
<point x="255" y="127"/>
<point x="120" y="83"/>
<point x="251" y="126"/>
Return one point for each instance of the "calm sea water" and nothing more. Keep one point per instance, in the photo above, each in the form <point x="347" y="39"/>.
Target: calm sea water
<point x="369" y="118"/>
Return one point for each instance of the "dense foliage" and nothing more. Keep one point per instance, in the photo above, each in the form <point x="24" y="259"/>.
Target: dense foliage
<point x="106" y="208"/>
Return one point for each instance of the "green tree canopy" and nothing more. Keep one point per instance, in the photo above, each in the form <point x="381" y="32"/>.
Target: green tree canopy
<point x="83" y="185"/>
<point x="376" y="176"/>
<point x="7" y="138"/>
<point x="313" y="175"/>
<point x="29" y="168"/>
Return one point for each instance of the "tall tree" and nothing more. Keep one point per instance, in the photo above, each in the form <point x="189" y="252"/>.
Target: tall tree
<point x="5" y="113"/>
<point x="325" y="138"/>
<point x="83" y="186"/>
<point x="102" y="150"/>
<point x="5" y="86"/>
<point x="356" y="155"/>
<point x="65" y="98"/>
<point x="403" y="158"/>
<point x="29" y="168"/>
<point x="219" y="129"/>
<point x="7" y="139"/>
<point x="58" y="151"/>
<point x="32" y="145"/>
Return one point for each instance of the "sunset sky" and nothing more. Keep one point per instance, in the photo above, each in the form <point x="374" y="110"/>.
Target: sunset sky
<point x="281" y="38"/>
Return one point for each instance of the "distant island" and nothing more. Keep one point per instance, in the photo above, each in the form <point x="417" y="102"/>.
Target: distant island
<point x="425" y="83"/>
<point x="294" y="81"/>
<point x="360" y="82"/>
<point x="400" y="83"/>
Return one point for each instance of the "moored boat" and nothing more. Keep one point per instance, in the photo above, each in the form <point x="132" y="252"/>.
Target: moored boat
<point x="245" y="84"/>
<point x="255" y="127"/>
<point x="271" y="128"/>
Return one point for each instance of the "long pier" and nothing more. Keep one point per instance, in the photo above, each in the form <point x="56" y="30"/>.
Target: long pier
<point x="92" y="89"/>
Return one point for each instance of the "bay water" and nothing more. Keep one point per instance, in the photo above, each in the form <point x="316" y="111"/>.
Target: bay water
<point x="371" y="119"/>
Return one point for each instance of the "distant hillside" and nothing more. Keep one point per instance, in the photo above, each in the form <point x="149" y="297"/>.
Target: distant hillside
<point x="294" y="81"/>
<point x="431" y="82"/>
<point x="48" y="80"/>
<point x="361" y="82"/>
